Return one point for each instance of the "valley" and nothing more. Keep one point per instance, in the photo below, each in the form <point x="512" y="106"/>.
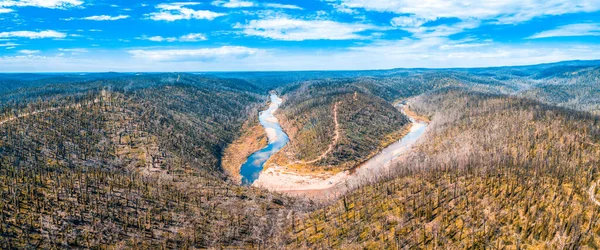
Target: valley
<point x="327" y="185"/>
<point x="399" y="158"/>
<point x="300" y="125"/>
<point x="276" y="139"/>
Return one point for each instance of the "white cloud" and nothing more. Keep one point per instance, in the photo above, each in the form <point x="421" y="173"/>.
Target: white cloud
<point x="440" y="53"/>
<point x="33" y="34"/>
<point x="5" y="10"/>
<point x="29" y="52"/>
<point x="405" y="53"/>
<point x="192" y="37"/>
<point x="463" y="45"/>
<point x="579" y="29"/>
<point x="194" y="54"/>
<point x="233" y="3"/>
<point x="282" y="6"/>
<point x="177" y="11"/>
<point x="8" y="44"/>
<point x="343" y="9"/>
<point x="76" y="50"/>
<point x="52" y="4"/>
<point x="408" y="21"/>
<point x="505" y="11"/>
<point x="441" y="31"/>
<point x="105" y="18"/>
<point x="299" y="30"/>
<point x="156" y="38"/>
<point x="247" y="4"/>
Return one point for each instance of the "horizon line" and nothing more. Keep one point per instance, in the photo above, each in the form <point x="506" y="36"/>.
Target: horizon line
<point x="296" y="70"/>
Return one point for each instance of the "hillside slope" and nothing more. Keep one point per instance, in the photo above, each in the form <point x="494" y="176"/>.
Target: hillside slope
<point x="365" y="124"/>
<point x="492" y="172"/>
<point x="133" y="169"/>
<point x="137" y="161"/>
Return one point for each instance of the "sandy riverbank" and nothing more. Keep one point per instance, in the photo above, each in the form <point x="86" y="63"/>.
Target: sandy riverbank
<point x="283" y="179"/>
<point x="252" y="139"/>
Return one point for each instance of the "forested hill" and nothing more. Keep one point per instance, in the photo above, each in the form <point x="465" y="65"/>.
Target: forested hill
<point x="366" y="124"/>
<point x="123" y="160"/>
<point x="563" y="83"/>
<point x="206" y="110"/>
<point x="131" y="162"/>
<point x="492" y="172"/>
<point x="26" y="87"/>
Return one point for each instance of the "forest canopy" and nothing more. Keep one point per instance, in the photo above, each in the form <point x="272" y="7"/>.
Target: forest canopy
<point x="123" y="160"/>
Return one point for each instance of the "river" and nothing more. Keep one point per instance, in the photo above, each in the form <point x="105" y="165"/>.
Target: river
<point x="380" y="163"/>
<point x="321" y="185"/>
<point x="385" y="158"/>
<point x="277" y="139"/>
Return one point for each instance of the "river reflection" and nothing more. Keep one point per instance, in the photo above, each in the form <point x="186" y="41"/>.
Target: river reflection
<point x="277" y="139"/>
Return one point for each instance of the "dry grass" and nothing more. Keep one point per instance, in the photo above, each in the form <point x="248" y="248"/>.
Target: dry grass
<point x="253" y="138"/>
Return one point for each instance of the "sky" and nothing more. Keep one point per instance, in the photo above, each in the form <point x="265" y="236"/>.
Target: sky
<point x="245" y="35"/>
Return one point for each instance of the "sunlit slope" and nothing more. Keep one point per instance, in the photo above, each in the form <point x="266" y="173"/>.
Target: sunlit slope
<point x="493" y="171"/>
<point x="134" y="169"/>
<point x="335" y="126"/>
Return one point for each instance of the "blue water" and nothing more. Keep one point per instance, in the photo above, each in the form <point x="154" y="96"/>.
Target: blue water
<point x="277" y="139"/>
<point x="381" y="163"/>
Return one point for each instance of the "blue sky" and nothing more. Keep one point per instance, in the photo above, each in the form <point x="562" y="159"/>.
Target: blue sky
<point x="241" y="35"/>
